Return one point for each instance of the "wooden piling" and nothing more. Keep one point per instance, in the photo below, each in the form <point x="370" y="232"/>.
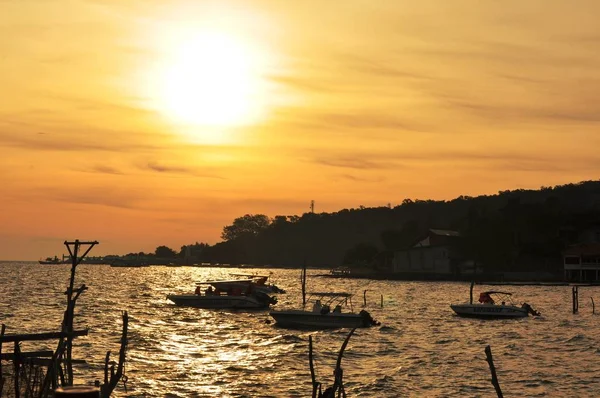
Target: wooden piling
<point x="382" y="301"/>
<point x="593" y="306"/>
<point x="365" y="298"/>
<point x="490" y="361"/>
<point x="2" y="330"/>
<point x="471" y="292"/>
<point x="315" y="385"/>
<point x="575" y="299"/>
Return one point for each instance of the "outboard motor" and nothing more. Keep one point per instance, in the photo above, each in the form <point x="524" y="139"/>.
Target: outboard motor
<point x="265" y="298"/>
<point x="368" y="319"/>
<point x="277" y="289"/>
<point x="530" y="310"/>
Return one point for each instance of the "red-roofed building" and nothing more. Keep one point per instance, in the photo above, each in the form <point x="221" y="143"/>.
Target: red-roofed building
<point x="582" y="262"/>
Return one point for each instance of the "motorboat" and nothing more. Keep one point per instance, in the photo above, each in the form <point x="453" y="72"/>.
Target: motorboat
<point x="55" y="260"/>
<point x="261" y="283"/>
<point x="221" y="294"/>
<point x="322" y="316"/>
<point x="494" y="304"/>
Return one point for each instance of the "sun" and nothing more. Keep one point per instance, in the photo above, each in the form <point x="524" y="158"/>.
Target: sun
<point x="212" y="79"/>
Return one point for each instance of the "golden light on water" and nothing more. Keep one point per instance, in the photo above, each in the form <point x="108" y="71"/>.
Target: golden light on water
<point x="211" y="79"/>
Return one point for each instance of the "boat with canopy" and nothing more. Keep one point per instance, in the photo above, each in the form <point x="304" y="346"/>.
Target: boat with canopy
<point x="494" y="304"/>
<point x="224" y="295"/>
<point x="326" y="313"/>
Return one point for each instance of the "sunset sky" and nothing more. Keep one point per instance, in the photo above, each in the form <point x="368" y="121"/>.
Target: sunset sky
<point x="140" y="123"/>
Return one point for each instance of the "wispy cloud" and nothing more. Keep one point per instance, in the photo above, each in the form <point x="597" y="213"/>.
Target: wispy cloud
<point x="354" y="162"/>
<point x="158" y="167"/>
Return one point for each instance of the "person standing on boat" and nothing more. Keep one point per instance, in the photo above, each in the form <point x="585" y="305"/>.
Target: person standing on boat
<point x="485" y="298"/>
<point x="317" y="306"/>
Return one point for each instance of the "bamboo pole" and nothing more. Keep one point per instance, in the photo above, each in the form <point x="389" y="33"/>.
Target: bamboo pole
<point x="315" y="385"/>
<point x="303" y="278"/>
<point x="490" y="361"/>
<point x="9" y="338"/>
<point x="471" y="292"/>
<point x="17" y="364"/>
<point x="2" y="330"/>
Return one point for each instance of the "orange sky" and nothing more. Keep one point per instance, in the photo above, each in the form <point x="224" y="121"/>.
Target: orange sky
<point x="105" y="135"/>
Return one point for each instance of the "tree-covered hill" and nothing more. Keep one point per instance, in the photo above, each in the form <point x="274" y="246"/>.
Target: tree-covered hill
<point x="507" y="230"/>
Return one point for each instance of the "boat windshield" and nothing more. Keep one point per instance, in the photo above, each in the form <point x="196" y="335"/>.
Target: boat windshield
<point x="330" y="299"/>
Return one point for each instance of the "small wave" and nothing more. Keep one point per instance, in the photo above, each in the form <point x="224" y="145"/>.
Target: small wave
<point x="445" y="341"/>
<point x="577" y="337"/>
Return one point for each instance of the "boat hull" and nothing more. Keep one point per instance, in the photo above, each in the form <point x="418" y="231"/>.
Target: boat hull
<point x="489" y="311"/>
<point x="296" y="319"/>
<point x="217" y="302"/>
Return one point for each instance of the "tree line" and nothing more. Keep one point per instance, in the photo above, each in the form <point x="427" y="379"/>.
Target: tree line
<point x="512" y="230"/>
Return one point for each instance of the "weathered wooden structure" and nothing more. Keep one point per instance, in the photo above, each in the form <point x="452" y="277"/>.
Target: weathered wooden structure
<point x="490" y="361"/>
<point x="41" y="373"/>
<point x="338" y="384"/>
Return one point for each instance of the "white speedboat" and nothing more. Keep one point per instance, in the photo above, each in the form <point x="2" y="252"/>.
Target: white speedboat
<point x="321" y="316"/>
<point x="494" y="304"/>
<point x="261" y="283"/>
<point x="219" y="295"/>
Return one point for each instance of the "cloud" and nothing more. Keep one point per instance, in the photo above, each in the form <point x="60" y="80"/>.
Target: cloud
<point x="352" y="162"/>
<point x="49" y="141"/>
<point x="103" y="196"/>
<point x="173" y="169"/>
<point x="358" y="121"/>
<point x="100" y="168"/>
<point x="360" y="179"/>
<point x="300" y="83"/>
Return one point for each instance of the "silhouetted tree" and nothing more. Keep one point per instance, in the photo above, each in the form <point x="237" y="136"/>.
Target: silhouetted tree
<point x="360" y="254"/>
<point x="248" y="225"/>
<point x="164" y="252"/>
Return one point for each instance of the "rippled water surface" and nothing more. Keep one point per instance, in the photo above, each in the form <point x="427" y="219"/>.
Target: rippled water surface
<point x="421" y="349"/>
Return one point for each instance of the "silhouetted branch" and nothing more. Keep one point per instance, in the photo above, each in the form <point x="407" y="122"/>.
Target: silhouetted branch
<point x="490" y="361"/>
<point x="110" y="383"/>
<point x="315" y="385"/>
<point x="2" y="330"/>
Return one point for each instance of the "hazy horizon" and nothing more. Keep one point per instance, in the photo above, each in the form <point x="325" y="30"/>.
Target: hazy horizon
<point x="145" y="123"/>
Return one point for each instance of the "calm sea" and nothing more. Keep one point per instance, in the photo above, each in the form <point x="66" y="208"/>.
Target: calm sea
<point x="421" y="349"/>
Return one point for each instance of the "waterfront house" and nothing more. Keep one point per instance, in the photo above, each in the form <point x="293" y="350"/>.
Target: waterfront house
<point x="582" y="262"/>
<point x="436" y="253"/>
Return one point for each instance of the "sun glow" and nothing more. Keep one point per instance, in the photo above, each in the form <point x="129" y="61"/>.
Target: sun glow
<point x="212" y="80"/>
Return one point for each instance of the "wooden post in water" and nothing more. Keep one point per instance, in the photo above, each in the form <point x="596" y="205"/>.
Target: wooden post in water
<point x="365" y="298"/>
<point x="312" y="368"/>
<point x="471" y="292"/>
<point x="303" y="278"/>
<point x="2" y="330"/>
<point x="382" y="301"/>
<point x="575" y="299"/>
<point x="593" y="306"/>
<point x="490" y="361"/>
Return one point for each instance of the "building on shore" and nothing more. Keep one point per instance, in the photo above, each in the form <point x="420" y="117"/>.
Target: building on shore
<point x="582" y="262"/>
<point x="436" y="253"/>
